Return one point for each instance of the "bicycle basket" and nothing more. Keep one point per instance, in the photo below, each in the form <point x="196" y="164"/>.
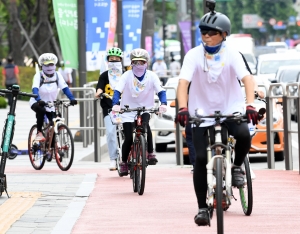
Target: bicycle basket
<point x="115" y="118"/>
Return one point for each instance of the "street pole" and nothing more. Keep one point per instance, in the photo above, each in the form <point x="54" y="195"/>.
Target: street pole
<point x="120" y="25"/>
<point x="193" y="28"/>
<point x="82" y="59"/>
<point x="164" y="24"/>
<point x="81" y="43"/>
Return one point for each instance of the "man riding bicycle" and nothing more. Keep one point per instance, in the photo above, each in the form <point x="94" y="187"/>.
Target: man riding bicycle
<point x="213" y="68"/>
<point x="138" y="87"/>
<point x="106" y="84"/>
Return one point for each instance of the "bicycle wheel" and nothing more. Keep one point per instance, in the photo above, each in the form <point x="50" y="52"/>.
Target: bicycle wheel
<point x="133" y="166"/>
<point x="141" y="164"/>
<point x="36" y="154"/>
<point x="246" y="193"/>
<point x="64" y="147"/>
<point x="120" y="140"/>
<point x="219" y="194"/>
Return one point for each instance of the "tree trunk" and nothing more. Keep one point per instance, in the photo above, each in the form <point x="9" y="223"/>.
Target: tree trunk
<point x="43" y="33"/>
<point x="15" y="34"/>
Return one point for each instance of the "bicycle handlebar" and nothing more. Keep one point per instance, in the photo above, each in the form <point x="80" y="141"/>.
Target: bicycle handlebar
<point x="19" y="93"/>
<point x="57" y="102"/>
<point x="139" y="109"/>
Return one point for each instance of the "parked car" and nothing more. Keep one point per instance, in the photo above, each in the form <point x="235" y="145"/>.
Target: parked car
<point x="286" y="74"/>
<point x="268" y="64"/>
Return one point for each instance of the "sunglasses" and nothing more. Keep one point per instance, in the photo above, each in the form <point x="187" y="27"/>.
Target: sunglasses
<point x="210" y="32"/>
<point x="138" y="62"/>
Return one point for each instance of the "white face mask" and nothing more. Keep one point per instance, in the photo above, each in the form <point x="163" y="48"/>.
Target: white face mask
<point x="114" y="73"/>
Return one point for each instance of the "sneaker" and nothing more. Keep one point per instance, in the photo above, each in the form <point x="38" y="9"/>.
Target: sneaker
<point x="192" y="171"/>
<point x="152" y="159"/>
<point x="202" y="218"/>
<point x="112" y="165"/>
<point x="237" y="176"/>
<point x="123" y="168"/>
<point x="48" y="157"/>
<point x="39" y="137"/>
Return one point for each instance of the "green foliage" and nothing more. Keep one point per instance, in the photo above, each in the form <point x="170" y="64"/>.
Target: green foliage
<point x="3" y="103"/>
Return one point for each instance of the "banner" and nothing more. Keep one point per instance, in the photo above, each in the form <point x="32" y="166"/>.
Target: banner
<point x="113" y="24"/>
<point x="198" y="37"/>
<point x="132" y="11"/>
<point x="97" y="17"/>
<point x="148" y="45"/>
<point x="185" y="28"/>
<point x="65" y="13"/>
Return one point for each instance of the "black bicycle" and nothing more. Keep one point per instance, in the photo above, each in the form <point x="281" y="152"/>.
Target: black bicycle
<point x="137" y="162"/>
<point x="8" y="132"/>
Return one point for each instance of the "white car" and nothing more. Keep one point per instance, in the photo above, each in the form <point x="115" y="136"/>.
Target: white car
<point x="268" y="64"/>
<point x="163" y="138"/>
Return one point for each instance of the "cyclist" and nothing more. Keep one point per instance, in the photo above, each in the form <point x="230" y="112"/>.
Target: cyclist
<point x="106" y="84"/>
<point x="45" y="85"/>
<point x="212" y="68"/>
<point x="137" y="87"/>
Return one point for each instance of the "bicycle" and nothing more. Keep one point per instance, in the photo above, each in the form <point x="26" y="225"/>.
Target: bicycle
<point x="59" y="143"/>
<point x="120" y="135"/>
<point x="137" y="162"/>
<point x="219" y="159"/>
<point x="8" y="132"/>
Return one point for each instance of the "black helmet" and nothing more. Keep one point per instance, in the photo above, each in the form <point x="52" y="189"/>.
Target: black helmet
<point x="217" y="21"/>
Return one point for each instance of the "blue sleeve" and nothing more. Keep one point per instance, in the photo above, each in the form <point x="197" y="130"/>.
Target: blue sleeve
<point x="68" y="93"/>
<point x="162" y="97"/>
<point x="36" y="91"/>
<point x="116" y="98"/>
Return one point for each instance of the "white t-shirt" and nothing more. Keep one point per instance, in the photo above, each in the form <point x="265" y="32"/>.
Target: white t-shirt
<point x="149" y="86"/>
<point x="222" y="93"/>
<point x="48" y="92"/>
<point x="160" y="68"/>
<point x="175" y="68"/>
<point x="66" y="74"/>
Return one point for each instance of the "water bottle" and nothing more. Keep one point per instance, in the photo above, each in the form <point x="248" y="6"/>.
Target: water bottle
<point x="251" y="129"/>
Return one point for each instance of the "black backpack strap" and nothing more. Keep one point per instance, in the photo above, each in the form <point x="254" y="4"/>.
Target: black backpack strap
<point x="245" y="61"/>
<point x="42" y="81"/>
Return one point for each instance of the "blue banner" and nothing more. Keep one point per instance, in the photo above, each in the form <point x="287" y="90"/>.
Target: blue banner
<point x="97" y="17"/>
<point x="198" y="37"/>
<point x="132" y="24"/>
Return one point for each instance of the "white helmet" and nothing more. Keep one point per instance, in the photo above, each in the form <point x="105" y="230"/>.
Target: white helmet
<point x="47" y="58"/>
<point x="139" y="54"/>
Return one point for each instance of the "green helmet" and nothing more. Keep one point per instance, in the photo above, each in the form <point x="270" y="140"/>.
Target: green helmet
<point x="114" y="51"/>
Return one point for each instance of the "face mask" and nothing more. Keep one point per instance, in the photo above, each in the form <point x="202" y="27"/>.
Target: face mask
<point x="139" y="70"/>
<point x="212" y="49"/>
<point x="115" y="65"/>
<point x="49" y="69"/>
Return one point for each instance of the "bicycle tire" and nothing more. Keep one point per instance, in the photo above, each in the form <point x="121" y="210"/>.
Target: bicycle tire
<point x="133" y="166"/>
<point x="120" y="140"/>
<point x="36" y="155"/>
<point x="219" y="195"/>
<point x="64" y="147"/>
<point x="141" y="164"/>
<point x="12" y="156"/>
<point x="246" y="192"/>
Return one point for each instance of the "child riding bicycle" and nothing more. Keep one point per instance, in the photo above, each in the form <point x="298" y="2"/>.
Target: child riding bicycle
<point x="137" y="87"/>
<point x="46" y="84"/>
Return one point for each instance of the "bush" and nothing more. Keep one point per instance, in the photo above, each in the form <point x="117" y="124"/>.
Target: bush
<point x="3" y="103"/>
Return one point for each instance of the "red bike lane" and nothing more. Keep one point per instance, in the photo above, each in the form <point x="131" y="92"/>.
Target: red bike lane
<point x="168" y="205"/>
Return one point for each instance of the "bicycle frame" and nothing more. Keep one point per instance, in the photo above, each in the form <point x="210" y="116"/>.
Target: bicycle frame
<point x="211" y="166"/>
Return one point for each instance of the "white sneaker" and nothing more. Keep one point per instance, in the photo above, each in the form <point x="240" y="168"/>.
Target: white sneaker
<point x="113" y="165"/>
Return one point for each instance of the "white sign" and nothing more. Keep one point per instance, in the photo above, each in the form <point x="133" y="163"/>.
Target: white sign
<point x="251" y="21"/>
